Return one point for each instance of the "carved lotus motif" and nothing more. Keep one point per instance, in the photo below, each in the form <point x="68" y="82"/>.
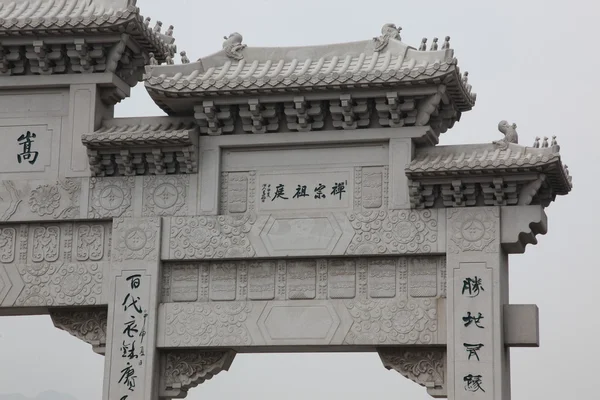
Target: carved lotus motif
<point x="472" y="230"/>
<point x="44" y="200"/>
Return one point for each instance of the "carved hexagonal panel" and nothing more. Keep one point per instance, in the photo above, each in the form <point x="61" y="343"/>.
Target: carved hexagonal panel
<point x="301" y="235"/>
<point x="302" y="323"/>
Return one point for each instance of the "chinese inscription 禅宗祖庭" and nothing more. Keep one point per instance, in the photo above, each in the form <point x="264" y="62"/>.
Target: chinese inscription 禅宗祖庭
<point x="320" y="191"/>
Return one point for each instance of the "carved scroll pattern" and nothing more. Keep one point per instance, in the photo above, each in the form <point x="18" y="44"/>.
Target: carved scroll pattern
<point x="202" y="324"/>
<point x="183" y="370"/>
<point x="423" y="366"/>
<point x="375" y="232"/>
<point x="392" y="322"/>
<point x="89" y="326"/>
<point x="403" y="231"/>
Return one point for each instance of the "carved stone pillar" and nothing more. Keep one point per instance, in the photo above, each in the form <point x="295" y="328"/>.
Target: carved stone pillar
<point x="89" y="326"/>
<point x="131" y="364"/>
<point x="477" y="268"/>
<point x="426" y="366"/>
<point x="182" y="370"/>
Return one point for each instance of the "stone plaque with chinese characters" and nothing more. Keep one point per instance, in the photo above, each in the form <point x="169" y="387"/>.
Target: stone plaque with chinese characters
<point x="25" y="148"/>
<point x="299" y="190"/>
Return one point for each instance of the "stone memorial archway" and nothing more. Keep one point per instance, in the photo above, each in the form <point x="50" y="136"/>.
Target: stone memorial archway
<point x="295" y="199"/>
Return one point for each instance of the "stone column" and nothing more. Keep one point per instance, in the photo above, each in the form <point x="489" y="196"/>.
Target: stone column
<point x="477" y="267"/>
<point x="131" y="365"/>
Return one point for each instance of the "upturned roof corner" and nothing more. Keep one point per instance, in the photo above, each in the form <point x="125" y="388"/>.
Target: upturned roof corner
<point x="102" y="36"/>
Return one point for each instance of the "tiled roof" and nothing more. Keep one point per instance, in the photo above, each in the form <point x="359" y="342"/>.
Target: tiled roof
<point x="44" y="17"/>
<point x="489" y="158"/>
<point x="162" y="132"/>
<point x="320" y="67"/>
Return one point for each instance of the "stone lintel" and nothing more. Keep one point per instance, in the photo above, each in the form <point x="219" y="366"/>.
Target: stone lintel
<point x="520" y="226"/>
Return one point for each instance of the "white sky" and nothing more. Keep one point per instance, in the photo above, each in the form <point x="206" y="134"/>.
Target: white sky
<point x="535" y="63"/>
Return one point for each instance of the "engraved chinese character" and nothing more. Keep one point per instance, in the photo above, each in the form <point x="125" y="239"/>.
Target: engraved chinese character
<point x="279" y="192"/>
<point x="472" y="286"/>
<point x="143" y="332"/>
<point x="26" y="140"/>
<point x="472" y="349"/>
<point x="473" y="383"/>
<point x="128" y="377"/>
<point x="300" y="192"/>
<point x="133" y="303"/>
<point x="338" y="189"/>
<point x="319" y="191"/>
<point x="130" y="327"/>
<point x="266" y="192"/>
<point x="128" y="350"/>
<point x="469" y="319"/>
<point x="134" y="280"/>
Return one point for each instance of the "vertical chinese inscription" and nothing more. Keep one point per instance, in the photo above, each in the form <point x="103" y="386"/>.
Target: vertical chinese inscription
<point x="223" y="277"/>
<point x="129" y="332"/>
<point x="382" y="278"/>
<point x="474" y="322"/>
<point x="423" y="276"/>
<point x="184" y="283"/>
<point x="237" y="192"/>
<point x="342" y="279"/>
<point x="261" y="280"/>
<point x="301" y="279"/>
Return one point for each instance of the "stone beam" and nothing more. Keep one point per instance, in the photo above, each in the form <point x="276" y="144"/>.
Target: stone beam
<point x="520" y="225"/>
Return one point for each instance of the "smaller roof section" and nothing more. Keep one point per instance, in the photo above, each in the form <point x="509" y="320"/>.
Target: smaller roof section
<point x="381" y="62"/>
<point x="143" y="146"/>
<point x="498" y="173"/>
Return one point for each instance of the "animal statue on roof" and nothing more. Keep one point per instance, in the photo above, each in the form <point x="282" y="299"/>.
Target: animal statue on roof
<point x="389" y="31"/>
<point x="233" y="46"/>
<point x="510" y="134"/>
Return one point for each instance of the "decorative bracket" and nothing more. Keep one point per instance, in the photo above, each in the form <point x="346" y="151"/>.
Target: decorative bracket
<point x="348" y="113"/>
<point x="427" y="367"/>
<point x="182" y="370"/>
<point x="429" y="107"/>
<point x="500" y="193"/>
<point x="304" y="116"/>
<point x="394" y="113"/>
<point x="459" y="194"/>
<point x="46" y="59"/>
<point x="89" y="326"/>
<point x="520" y="226"/>
<point x="214" y="120"/>
<point x="259" y="118"/>
<point x="422" y="196"/>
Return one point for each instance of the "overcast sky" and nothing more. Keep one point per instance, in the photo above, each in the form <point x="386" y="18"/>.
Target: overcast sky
<point x="535" y="63"/>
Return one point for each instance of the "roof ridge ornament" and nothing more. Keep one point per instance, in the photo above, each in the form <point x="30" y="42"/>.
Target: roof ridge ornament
<point x="510" y="134"/>
<point x="233" y="46"/>
<point x="388" y="31"/>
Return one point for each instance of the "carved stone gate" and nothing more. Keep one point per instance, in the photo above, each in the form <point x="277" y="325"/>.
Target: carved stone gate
<point x="293" y="200"/>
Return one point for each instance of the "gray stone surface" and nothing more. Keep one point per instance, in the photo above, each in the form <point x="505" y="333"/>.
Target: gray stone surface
<point x="293" y="200"/>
